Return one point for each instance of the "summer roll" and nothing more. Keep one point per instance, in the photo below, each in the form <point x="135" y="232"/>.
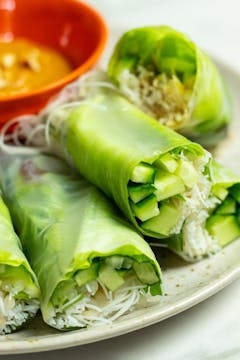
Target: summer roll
<point x="164" y="73"/>
<point x="19" y="290"/>
<point x="92" y="266"/>
<point x="161" y="181"/>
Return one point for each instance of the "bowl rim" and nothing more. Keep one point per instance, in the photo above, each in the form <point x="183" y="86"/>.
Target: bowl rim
<point x="72" y="75"/>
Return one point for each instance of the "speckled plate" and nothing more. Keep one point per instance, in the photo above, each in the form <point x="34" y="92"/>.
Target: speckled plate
<point x="185" y="284"/>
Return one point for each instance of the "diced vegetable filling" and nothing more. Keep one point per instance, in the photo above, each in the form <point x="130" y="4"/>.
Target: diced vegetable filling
<point x="164" y="96"/>
<point x="224" y="223"/>
<point x="18" y="304"/>
<point x="156" y="191"/>
<point x="161" y="82"/>
<point x="111" y="287"/>
<point x="179" y="199"/>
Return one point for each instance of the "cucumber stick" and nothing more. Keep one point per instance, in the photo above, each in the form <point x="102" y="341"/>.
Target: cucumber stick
<point x="224" y="228"/>
<point x="145" y="273"/>
<point x="143" y="173"/>
<point x="167" y="162"/>
<point x="219" y="191"/>
<point x="147" y="208"/>
<point x="140" y="192"/>
<point x="86" y="275"/>
<point x="168" y="217"/>
<point x="187" y="173"/>
<point x="228" y="206"/>
<point x="110" y="277"/>
<point x="167" y="185"/>
<point x="235" y="192"/>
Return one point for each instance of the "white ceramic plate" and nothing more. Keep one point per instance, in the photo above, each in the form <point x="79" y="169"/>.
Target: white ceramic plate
<point x="184" y="284"/>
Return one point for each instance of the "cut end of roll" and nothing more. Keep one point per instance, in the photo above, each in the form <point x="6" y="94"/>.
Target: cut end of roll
<point x="113" y="287"/>
<point x="14" y="311"/>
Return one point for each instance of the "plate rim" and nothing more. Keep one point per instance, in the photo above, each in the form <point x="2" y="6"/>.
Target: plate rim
<point x="77" y="338"/>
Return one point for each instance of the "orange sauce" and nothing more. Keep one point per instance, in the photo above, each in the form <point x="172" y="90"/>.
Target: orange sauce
<point x="25" y="66"/>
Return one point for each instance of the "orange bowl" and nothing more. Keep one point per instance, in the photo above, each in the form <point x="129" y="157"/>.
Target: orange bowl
<point x="68" y="26"/>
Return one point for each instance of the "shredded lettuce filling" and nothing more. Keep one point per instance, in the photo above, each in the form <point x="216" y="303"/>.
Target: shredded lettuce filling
<point x="162" y="96"/>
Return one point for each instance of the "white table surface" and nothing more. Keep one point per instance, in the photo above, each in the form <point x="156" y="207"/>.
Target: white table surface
<point x="210" y="330"/>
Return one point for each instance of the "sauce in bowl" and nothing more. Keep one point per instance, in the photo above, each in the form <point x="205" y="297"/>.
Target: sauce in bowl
<point x="25" y="65"/>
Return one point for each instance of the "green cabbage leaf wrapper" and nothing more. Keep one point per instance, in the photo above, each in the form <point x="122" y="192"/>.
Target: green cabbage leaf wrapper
<point x="166" y="74"/>
<point x="165" y="184"/>
<point x="92" y="266"/>
<point x="19" y="290"/>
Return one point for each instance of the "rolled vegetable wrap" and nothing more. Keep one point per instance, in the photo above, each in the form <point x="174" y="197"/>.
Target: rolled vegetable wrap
<point x="224" y="222"/>
<point x="208" y="229"/>
<point x="160" y="180"/>
<point x="91" y="265"/>
<point x="169" y="77"/>
<point x="19" y="290"/>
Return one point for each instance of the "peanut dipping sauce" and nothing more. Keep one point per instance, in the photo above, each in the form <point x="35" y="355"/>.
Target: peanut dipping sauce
<point x="25" y="65"/>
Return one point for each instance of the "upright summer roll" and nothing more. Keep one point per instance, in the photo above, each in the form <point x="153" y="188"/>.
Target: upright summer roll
<point x="160" y="180"/>
<point x="19" y="290"/>
<point x="92" y="266"/>
<point x="164" y="73"/>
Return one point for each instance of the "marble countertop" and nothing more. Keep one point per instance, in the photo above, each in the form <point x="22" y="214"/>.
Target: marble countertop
<point x="210" y="330"/>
